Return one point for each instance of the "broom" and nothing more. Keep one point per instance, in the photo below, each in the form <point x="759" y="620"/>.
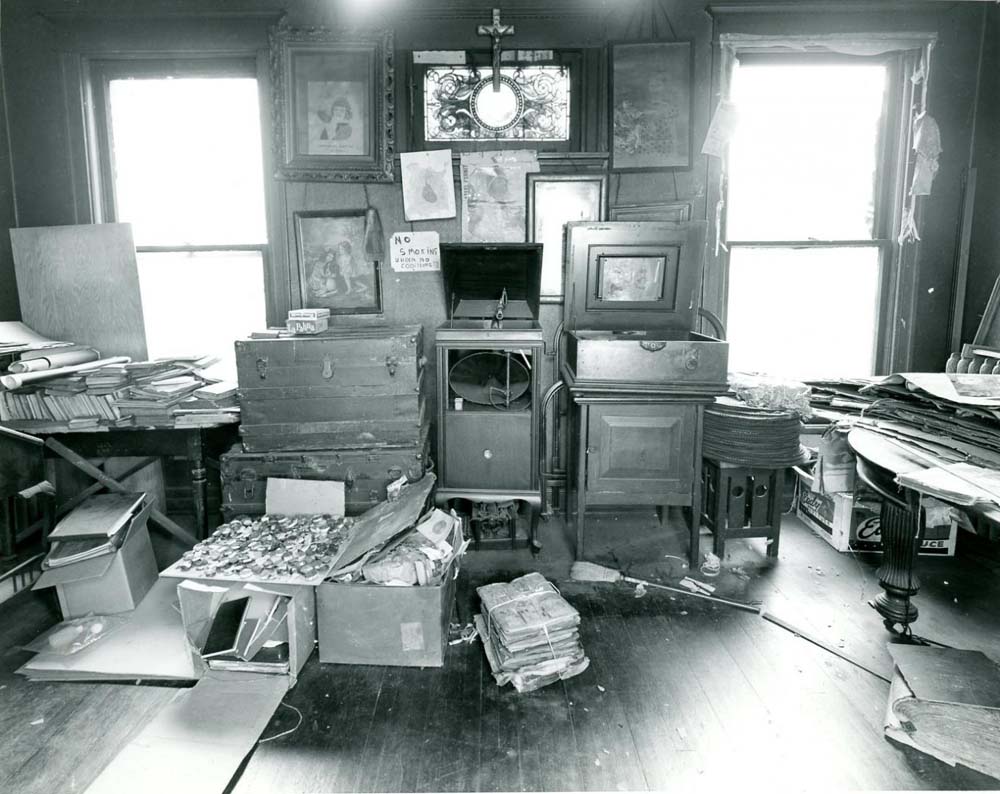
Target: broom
<point x="592" y="572"/>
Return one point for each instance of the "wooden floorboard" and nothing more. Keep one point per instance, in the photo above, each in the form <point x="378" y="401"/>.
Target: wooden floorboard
<point x="680" y="693"/>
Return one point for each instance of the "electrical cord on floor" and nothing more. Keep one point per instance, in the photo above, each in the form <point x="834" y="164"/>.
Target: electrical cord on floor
<point x="290" y="730"/>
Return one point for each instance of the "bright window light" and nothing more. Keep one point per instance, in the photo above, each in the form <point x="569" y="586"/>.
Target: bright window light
<point x="803" y="166"/>
<point x="200" y="303"/>
<point x="803" y="313"/>
<point x="188" y="172"/>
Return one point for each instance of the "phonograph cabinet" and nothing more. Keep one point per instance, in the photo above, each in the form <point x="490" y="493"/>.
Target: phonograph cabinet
<point x="638" y="374"/>
<point x="489" y="355"/>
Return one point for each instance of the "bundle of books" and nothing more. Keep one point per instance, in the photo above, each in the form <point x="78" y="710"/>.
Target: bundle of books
<point x="164" y="392"/>
<point x="530" y="633"/>
<point x="212" y="404"/>
<point x="66" y="401"/>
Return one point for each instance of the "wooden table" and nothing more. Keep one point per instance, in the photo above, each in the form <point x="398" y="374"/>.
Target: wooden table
<point x="199" y="446"/>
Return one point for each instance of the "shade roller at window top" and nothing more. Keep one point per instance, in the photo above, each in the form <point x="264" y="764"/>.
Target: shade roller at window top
<point x="861" y="44"/>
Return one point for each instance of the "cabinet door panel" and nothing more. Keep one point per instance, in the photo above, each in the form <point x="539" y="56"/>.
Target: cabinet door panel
<point x="640" y="451"/>
<point x="487" y="450"/>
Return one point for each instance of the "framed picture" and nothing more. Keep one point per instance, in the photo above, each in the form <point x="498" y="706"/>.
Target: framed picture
<point x="650" y="105"/>
<point x="673" y="211"/>
<point x="333" y="105"/>
<point x="631" y="279"/>
<point x="334" y="273"/>
<point x="553" y="201"/>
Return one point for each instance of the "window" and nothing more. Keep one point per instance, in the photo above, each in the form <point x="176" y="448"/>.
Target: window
<point x="532" y="104"/>
<point x="183" y="164"/>
<point x="809" y="215"/>
<point x="542" y="100"/>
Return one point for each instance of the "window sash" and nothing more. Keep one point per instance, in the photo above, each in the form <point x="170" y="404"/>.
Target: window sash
<point x="897" y="277"/>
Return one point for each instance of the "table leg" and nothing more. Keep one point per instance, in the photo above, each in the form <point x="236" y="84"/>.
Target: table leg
<point x="900" y="542"/>
<point x="199" y="483"/>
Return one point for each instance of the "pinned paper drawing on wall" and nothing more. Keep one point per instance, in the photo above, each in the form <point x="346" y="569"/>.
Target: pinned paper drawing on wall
<point x="428" y="185"/>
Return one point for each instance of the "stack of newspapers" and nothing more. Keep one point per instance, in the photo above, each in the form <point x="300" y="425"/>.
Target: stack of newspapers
<point x="530" y="633"/>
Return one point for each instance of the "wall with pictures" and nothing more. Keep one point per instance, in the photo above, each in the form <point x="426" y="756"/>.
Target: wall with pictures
<point x="43" y="42"/>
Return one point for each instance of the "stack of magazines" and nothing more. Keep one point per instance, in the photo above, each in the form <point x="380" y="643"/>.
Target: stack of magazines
<point x="530" y="633"/>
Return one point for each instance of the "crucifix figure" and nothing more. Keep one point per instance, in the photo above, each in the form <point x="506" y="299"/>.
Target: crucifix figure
<point x="496" y="31"/>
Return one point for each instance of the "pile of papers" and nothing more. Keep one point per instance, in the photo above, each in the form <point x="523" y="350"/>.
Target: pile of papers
<point x="160" y="393"/>
<point x="420" y="556"/>
<point x="948" y="424"/>
<point x="946" y="702"/>
<point x="530" y="633"/>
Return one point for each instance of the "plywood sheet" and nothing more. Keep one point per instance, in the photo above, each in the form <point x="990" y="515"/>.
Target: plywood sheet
<point x="81" y="284"/>
<point x="152" y="645"/>
<point x="198" y="741"/>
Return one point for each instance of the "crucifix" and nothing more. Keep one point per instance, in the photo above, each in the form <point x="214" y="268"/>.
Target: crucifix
<point x="496" y="31"/>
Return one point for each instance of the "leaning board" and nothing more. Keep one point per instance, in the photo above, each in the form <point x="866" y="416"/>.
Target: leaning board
<point x="81" y="284"/>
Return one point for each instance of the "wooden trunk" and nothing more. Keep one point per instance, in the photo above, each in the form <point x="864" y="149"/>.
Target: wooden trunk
<point x="345" y="388"/>
<point x="365" y="473"/>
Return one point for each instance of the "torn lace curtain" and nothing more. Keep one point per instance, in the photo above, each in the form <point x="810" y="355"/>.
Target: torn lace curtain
<point x="923" y="132"/>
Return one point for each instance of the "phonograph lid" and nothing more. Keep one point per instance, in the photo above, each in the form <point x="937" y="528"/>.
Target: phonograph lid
<point x="477" y="276"/>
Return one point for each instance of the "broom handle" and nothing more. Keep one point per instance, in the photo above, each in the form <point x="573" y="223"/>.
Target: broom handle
<point x="716" y="599"/>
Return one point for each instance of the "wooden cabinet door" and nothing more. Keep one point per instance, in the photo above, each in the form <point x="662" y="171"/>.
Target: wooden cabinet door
<point x="640" y="453"/>
<point x="487" y="450"/>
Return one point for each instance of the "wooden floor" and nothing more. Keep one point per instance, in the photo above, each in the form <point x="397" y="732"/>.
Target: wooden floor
<point x="680" y="692"/>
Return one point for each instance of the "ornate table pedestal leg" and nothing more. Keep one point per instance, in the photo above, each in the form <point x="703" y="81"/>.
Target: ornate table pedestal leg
<point x="900" y="541"/>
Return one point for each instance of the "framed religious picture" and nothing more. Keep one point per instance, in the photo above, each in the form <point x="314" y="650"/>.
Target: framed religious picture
<point x="334" y="272"/>
<point x="333" y="105"/>
<point x="650" y="105"/>
<point x="553" y="201"/>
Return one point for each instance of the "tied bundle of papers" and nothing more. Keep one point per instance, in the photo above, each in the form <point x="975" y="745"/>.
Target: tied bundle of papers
<point x="530" y="633"/>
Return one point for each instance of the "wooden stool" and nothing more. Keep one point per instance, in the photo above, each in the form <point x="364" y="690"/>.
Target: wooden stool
<point x="742" y="502"/>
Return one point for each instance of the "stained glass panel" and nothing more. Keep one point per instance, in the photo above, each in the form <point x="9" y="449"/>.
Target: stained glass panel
<point x="533" y="104"/>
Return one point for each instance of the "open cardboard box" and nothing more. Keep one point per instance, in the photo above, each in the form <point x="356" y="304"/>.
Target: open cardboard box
<point x="111" y="583"/>
<point x="369" y="623"/>
<point x="365" y="623"/>
<point x="200" y="599"/>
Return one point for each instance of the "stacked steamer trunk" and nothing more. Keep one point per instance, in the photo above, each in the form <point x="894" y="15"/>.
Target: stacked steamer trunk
<point x="346" y="404"/>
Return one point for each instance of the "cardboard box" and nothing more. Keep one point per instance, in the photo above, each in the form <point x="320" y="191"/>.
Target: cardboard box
<point x="851" y="521"/>
<point x="198" y="607"/>
<point x="108" y="584"/>
<point x="385" y="625"/>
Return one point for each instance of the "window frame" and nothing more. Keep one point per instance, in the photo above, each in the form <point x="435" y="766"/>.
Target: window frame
<point x="583" y="64"/>
<point x="100" y="72"/>
<point x="897" y="272"/>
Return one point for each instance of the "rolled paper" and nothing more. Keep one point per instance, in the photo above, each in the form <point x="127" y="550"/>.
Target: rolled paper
<point x="16" y="381"/>
<point x="54" y="360"/>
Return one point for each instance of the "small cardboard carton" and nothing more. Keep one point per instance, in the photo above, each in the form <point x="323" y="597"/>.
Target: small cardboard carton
<point x="851" y="521"/>
<point x="363" y="623"/>
<point x="200" y="600"/>
<point x="113" y="582"/>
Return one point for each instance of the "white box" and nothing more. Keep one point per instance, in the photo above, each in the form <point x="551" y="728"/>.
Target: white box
<point x="111" y="583"/>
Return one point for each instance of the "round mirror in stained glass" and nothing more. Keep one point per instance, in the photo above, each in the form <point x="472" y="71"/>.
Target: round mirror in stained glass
<point x="497" y="110"/>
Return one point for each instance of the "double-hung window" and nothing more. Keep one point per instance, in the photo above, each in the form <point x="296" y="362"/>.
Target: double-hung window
<point x="812" y="179"/>
<point x="181" y="161"/>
